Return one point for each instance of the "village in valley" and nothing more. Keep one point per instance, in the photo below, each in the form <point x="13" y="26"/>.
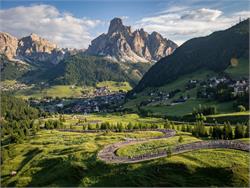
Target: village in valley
<point x="101" y="100"/>
<point x="213" y="88"/>
<point x="138" y="93"/>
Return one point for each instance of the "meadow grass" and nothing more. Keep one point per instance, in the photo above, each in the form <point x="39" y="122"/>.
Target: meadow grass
<point x="188" y="106"/>
<point x="239" y="70"/>
<point x="111" y="118"/>
<point x="164" y="107"/>
<point x="53" y="91"/>
<point x="69" y="90"/>
<point x="115" y="86"/>
<point x="61" y="159"/>
<point x="246" y="113"/>
<point x="246" y="140"/>
<point x="54" y="158"/>
<point x="153" y="146"/>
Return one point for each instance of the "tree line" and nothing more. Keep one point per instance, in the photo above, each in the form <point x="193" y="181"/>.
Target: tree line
<point x="17" y="119"/>
<point x="227" y="131"/>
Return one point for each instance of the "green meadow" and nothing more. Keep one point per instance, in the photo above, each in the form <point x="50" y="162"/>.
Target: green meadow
<point x="239" y="70"/>
<point x="63" y="91"/>
<point x="154" y="146"/>
<point x="53" y="158"/>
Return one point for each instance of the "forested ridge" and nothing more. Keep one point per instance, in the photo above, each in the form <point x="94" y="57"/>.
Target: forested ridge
<point x="17" y="119"/>
<point x="212" y="52"/>
<point x="77" y="69"/>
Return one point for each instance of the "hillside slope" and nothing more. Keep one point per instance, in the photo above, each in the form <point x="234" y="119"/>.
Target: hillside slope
<point x="213" y="52"/>
<point x="87" y="70"/>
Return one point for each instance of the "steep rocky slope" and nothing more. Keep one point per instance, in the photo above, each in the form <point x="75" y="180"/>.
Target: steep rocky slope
<point x="32" y="49"/>
<point x="123" y="44"/>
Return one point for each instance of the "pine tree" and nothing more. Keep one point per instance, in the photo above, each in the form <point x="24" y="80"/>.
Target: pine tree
<point x="169" y="151"/>
<point x="183" y="128"/>
<point x="247" y="132"/>
<point x="167" y="124"/>
<point x="180" y="140"/>
<point x="189" y="128"/>
<point x="239" y="131"/>
<point x="210" y="131"/>
<point x="130" y="126"/>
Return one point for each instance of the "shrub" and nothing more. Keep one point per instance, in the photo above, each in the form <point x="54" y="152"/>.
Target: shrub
<point x="206" y="110"/>
<point x="180" y="140"/>
<point x="241" y="108"/>
<point x="239" y="131"/>
<point x="169" y="151"/>
<point x="92" y="126"/>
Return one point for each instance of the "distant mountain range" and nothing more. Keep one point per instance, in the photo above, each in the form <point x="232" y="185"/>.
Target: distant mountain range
<point x="123" y="44"/>
<point x="32" y="49"/>
<point x="119" y="44"/>
<point x="212" y="52"/>
<point x="120" y="56"/>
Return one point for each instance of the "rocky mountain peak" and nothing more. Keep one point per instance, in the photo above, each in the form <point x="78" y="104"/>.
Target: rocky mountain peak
<point x="121" y="44"/>
<point x="31" y="48"/>
<point x="38" y="43"/>
<point x="8" y="45"/>
<point x="34" y="36"/>
<point x="116" y="26"/>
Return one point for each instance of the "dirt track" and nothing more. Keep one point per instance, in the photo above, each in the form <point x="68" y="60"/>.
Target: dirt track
<point x="108" y="153"/>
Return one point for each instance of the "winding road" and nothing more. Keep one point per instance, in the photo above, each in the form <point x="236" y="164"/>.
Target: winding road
<point x="108" y="153"/>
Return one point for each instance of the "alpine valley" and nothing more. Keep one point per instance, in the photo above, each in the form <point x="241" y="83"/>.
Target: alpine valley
<point x="133" y="109"/>
<point x="119" y="55"/>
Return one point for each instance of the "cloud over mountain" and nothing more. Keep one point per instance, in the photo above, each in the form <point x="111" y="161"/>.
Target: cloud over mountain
<point x="182" y="23"/>
<point x="48" y="22"/>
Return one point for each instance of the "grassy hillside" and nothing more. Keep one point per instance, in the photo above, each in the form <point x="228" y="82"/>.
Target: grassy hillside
<point x="153" y="146"/>
<point x="53" y="91"/>
<point x="111" y="118"/>
<point x="238" y="68"/>
<point x="11" y="70"/>
<point x="164" y="108"/>
<point x="86" y="70"/>
<point x="63" y="159"/>
<point x="232" y="117"/>
<point x="69" y="90"/>
<point x="213" y="52"/>
<point x="187" y="107"/>
<point x="115" y="86"/>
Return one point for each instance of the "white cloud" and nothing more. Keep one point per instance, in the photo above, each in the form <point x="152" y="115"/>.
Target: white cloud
<point x="124" y="17"/>
<point x="48" y="22"/>
<point x="182" y="23"/>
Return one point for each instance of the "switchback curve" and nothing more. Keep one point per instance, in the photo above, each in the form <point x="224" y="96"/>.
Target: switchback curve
<point x="108" y="153"/>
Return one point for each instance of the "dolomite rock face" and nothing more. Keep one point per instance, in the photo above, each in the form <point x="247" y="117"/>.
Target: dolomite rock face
<point x="34" y="44"/>
<point x="121" y="44"/>
<point x="8" y="45"/>
<point x="32" y="48"/>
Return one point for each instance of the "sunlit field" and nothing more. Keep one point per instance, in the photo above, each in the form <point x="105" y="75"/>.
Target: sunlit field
<point x="53" y="158"/>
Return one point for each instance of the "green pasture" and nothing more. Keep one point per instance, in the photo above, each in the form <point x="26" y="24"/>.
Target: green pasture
<point x="239" y="70"/>
<point x="115" y="86"/>
<point x="62" y="91"/>
<point x="62" y="159"/>
<point x="53" y="91"/>
<point x="154" y="146"/>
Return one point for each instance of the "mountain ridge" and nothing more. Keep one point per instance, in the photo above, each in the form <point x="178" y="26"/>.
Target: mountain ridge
<point x="123" y="44"/>
<point x="213" y="52"/>
<point x="32" y="48"/>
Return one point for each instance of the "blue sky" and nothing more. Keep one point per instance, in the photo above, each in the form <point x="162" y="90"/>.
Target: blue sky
<point x="75" y="23"/>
